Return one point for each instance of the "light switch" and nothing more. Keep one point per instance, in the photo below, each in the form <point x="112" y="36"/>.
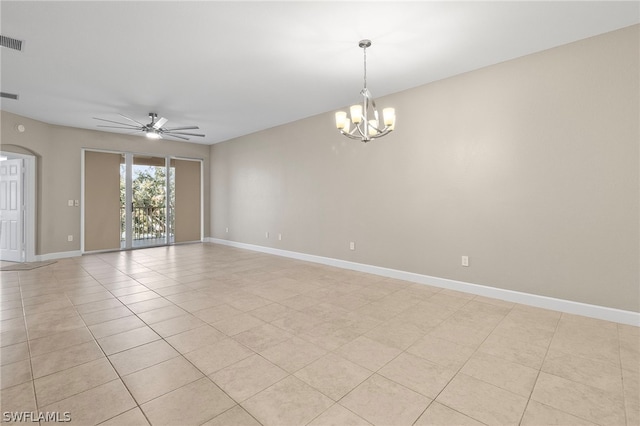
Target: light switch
<point x="70" y="203"/>
<point x="76" y="203"/>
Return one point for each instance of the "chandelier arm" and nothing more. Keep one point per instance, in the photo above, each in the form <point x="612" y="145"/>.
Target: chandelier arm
<point x="375" y="109"/>
<point x="363" y="134"/>
<point x="365" y="113"/>
<point x="381" y="134"/>
<point x="350" y="135"/>
<point x="379" y="129"/>
<point x="384" y="129"/>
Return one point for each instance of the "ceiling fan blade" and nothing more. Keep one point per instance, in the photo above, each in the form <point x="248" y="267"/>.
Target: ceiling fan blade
<point x="183" y="133"/>
<point x="131" y="119"/>
<point x="160" y="123"/>
<point x="118" y="127"/>
<point x="175" y="136"/>
<point x="115" y="122"/>
<point x="171" y="129"/>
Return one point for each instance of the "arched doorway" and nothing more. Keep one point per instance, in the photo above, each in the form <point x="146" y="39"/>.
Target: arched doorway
<point x="17" y="207"/>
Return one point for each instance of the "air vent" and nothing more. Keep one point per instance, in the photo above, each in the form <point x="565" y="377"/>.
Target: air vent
<point x="9" y="95"/>
<point x="11" y="43"/>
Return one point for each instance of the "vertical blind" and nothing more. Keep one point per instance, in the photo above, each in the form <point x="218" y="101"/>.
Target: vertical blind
<point x="101" y="201"/>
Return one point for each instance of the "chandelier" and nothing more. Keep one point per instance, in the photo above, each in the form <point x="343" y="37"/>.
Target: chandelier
<point x="365" y="127"/>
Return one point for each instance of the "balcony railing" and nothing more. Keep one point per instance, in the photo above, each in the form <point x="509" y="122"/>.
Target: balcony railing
<point x="149" y="223"/>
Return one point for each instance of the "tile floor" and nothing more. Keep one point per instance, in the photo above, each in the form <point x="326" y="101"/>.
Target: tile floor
<point x="208" y="334"/>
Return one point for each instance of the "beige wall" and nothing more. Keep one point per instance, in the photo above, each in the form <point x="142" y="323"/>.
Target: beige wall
<point x="58" y="178"/>
<point x="529" y="167"/>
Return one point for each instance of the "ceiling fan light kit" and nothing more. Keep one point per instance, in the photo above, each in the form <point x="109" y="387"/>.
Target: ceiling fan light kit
<point x="152" y="134"/>
<point x="153" y="130"/>
<point x="364" y="128"/>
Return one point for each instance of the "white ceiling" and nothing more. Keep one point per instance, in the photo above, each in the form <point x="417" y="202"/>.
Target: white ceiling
<point x="237" y="67"/>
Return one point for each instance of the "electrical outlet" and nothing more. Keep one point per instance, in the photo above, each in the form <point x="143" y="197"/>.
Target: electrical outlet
<point x="266" y="234"/>
<point x="70" y="203"/>
<point x="352" y="245"/>
<point x="465" y="260"/>
<point x="279" y="237"/>
<point x="226" y="229"/>
<point x="69" y="237"/>
<point x="76" y="203"/>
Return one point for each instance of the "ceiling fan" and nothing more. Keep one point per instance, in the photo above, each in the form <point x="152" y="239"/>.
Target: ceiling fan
<point x="153" y="130"/>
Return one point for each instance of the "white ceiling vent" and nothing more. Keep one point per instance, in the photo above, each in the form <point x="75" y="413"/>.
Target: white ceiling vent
<point x="11" y="43"/>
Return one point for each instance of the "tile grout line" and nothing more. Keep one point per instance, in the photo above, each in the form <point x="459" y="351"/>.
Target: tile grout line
<point x="624" y="399"/>
<point x="109" y="360"/>
<point x="168" y="343"/>
<point x="463" y="365"/>
<point x="100" y="347"/>
<point x="202" y="372"/>
<point x="555" y="375"/>
<point x="26" y="330"/>
<point x="540" y="369"/>
<point x="120" y="377"/>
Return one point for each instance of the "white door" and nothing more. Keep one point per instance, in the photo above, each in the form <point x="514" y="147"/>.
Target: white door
<point x="11" y="208"/>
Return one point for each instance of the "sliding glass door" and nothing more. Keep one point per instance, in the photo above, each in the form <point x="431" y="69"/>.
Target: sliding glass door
<point x="147" y="211"/>
<point x="158" y="200"/>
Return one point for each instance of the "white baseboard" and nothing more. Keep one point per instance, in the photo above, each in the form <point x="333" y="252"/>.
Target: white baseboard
<point x="59" y="255"/>
<point x="568" y="306"/>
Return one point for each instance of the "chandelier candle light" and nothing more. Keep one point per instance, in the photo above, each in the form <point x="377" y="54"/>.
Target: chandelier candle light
<point x="364" y="128"/>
